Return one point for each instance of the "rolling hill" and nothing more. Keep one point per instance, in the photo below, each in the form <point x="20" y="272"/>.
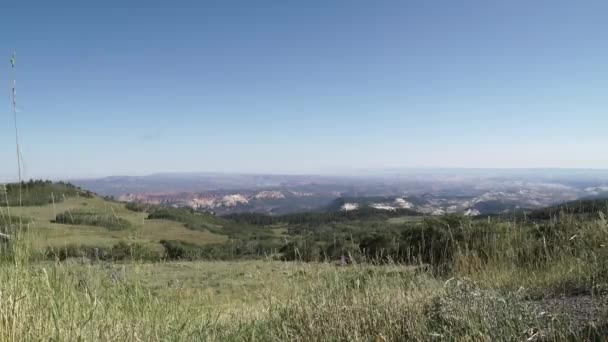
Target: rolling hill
<point x="56" y="225"/>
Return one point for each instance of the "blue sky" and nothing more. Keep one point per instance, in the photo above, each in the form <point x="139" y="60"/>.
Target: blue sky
<point x="303" y="86"/>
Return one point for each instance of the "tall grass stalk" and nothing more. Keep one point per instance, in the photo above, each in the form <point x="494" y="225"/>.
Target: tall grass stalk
<point x="13" y="97"/>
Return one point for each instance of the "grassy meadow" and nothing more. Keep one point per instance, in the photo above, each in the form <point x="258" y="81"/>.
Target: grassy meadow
<point x="48" y="233"/>
<point x="446" y="279"/>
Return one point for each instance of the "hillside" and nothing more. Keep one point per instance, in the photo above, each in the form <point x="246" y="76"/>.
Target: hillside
<point x="381" y="272"/>
<point x="50" y="232"/>
<point x="579" y="207"/>
<point x="80" y="222"/>
<point x="39" y="192"/>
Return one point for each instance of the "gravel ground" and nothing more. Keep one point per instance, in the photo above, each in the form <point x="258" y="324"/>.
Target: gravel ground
<point x="582" y="313"/>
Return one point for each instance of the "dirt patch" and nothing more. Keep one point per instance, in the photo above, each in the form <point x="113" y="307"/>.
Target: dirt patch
<point x="584" y="314"/>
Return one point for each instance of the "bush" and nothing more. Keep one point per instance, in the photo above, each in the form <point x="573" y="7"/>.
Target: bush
<point x="120" y="251"/>
<point x="301" y="250"/>
<point x="89" y="218"/>
<point x="190" y="218"/>
<point x="178" y="250"/>
<point x="139" y="207"/>
<point x="232" y="250"/>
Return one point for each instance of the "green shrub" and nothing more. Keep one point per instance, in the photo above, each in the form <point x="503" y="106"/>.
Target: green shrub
<point x="190" y="218"/>
<point x="176" y="250"/>
<point x="91" y="218"/>
<point x="139" y="207"/>
<point x="231" y="250"/>
<point x="120" y="251"/>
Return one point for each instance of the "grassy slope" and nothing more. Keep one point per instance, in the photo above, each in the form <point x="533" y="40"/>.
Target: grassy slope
<point x="259" y="301"/>
<point x="270" y="300"/>
<point x="47" y="233"/>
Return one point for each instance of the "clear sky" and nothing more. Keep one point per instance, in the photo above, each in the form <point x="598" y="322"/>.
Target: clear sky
<point x="303" y="86"/>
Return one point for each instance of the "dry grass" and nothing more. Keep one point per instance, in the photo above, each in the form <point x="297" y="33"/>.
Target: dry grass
<point x="255" y="301"/>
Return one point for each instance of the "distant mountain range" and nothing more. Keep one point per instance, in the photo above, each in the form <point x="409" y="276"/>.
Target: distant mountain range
<point x="471" y="192"/>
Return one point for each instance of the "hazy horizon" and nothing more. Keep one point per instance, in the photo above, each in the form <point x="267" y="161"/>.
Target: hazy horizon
<point x="303" y="88"/>
<point x="356" y="173"/>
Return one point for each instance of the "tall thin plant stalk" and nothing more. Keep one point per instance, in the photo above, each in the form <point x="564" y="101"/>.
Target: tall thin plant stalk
<point x="14" y="108"/>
